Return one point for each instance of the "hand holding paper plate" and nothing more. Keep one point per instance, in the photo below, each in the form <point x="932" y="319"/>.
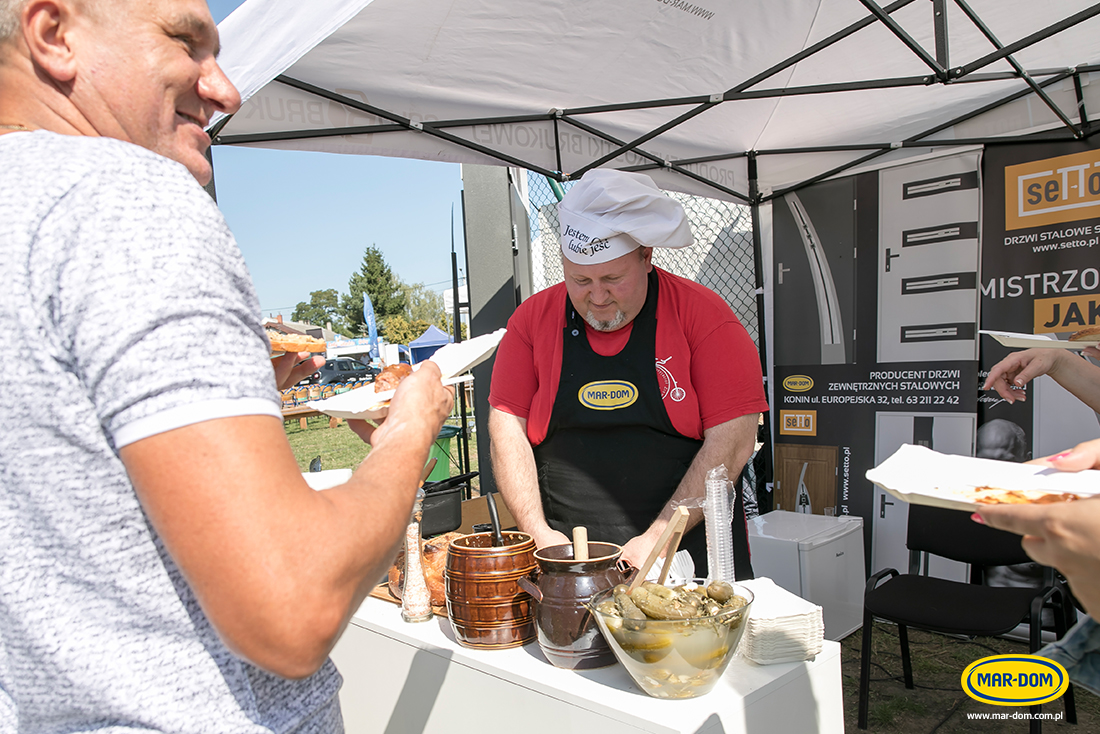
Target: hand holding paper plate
<point x="925" y="477"/>
<point x="453" y="361"/>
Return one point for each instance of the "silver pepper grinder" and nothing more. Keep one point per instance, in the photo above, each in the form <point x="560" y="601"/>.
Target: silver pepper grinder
<point x="416" y="602"/>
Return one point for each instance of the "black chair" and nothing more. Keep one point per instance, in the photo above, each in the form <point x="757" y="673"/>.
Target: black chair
<point x="957" y="608"/>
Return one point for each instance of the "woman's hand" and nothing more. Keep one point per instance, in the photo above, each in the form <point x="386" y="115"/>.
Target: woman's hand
<point x="1063" y="535"/>
<point x="1009" y="376"/>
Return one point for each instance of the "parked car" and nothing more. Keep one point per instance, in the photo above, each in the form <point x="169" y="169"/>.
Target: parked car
<point x="343" y="369"/>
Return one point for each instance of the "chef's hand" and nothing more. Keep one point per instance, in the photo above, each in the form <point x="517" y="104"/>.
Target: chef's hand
<point x="293" y="367"/>
<point x="1009" y="376"/>
<point x="637" y="550"/>
<point x="548" y="536"/>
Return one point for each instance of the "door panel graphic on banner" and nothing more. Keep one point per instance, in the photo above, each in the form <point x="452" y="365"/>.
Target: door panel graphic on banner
<point x="903" y="348"/>
<point x="928" y="256"/>
<point x="814" y="279"/>
<point x="946" y="433"/>
<point x="805" y="478"/>
<point x="1041" y="275"/>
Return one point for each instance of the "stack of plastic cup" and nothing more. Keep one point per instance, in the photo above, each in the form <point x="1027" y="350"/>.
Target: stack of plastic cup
<point x="716" y="514"/>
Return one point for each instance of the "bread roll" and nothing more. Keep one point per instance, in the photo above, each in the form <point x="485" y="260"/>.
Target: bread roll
<point x="390" y="376"/>
<point x="1092" y="333"/>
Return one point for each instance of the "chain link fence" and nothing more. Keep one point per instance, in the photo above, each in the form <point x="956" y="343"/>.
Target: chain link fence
<point x="721" y="259"/>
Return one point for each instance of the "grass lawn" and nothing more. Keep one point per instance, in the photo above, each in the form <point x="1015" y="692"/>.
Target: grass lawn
<point x="339" y="448"/>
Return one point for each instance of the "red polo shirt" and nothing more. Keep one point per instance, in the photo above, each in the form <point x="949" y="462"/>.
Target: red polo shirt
<point x="702" y="348"/>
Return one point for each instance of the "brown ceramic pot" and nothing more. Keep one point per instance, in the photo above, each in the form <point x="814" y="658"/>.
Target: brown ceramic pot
<point x="485" y="604"/>
<point x="568" y="635"/>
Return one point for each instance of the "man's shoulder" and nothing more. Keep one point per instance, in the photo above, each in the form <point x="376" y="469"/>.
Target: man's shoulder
<point x="104" y="160"/>
<point x="683" y="293"/>
<point x="541" y="304"/>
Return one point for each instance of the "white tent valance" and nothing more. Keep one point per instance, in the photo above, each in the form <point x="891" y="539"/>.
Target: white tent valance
<point x="704" y="95"/>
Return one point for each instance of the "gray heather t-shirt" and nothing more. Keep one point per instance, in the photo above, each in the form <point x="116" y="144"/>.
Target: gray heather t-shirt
<point x="127" y="311"/>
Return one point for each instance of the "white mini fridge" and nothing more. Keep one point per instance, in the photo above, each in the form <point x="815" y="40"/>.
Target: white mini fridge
<point x="820" y="558"/>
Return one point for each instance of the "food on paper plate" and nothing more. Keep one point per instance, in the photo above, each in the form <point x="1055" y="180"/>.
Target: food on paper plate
<point x="434" y="560"/>
<point x="391" y="376"/>
<point x="1092" y="333"/>
<point x="998" y="496"/>
<point x="281" y="342"/>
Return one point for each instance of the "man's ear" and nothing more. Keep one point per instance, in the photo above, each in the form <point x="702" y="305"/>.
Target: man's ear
<point x="46" y="26"/>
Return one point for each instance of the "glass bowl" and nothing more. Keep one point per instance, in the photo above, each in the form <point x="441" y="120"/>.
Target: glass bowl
<point x="674" y="658"/>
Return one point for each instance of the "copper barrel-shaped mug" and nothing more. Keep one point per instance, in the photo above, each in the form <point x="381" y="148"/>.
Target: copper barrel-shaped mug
<point x="568" y="634"/>
<point x="485" y="604"/>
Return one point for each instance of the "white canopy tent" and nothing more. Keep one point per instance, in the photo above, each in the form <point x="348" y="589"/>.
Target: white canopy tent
<point x="732" y="99"/>
<point x="735" y="100"/>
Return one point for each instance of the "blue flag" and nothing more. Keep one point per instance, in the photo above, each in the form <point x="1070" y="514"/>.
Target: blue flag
<point x="372" y="325"/>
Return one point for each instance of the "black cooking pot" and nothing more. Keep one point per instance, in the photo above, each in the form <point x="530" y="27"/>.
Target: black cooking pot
<point x="443" y="505"/>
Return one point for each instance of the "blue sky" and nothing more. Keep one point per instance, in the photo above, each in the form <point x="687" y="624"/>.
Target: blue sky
<point x="304" y="219"/>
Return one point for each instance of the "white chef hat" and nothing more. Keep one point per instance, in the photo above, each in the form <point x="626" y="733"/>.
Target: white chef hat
<point x="610" y="213"/>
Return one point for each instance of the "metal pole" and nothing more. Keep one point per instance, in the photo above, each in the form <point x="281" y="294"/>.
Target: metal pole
<point x="464" y="435"/>
<point x="764" y="479"/>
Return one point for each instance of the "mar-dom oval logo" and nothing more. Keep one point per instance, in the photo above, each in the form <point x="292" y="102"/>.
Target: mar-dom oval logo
<point x="608" y="395"/>
<point x="1014" y="680"/>
<point x="798" y="383"/>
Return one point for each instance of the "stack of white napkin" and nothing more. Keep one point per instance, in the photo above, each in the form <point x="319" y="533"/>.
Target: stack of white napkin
<point x="783" y="627"/>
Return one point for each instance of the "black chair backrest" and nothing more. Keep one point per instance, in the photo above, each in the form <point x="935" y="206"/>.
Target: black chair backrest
<point x="952" y="534"/>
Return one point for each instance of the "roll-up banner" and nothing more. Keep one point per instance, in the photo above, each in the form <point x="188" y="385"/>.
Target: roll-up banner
<point x="875" y="286"/>
<point x="1040" y="275"/>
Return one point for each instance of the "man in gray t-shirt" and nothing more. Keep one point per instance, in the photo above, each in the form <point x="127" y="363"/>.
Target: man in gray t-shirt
<point x="165" y="566"/>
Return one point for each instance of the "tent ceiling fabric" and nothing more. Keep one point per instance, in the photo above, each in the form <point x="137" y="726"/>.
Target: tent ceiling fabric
<point x="702" y="82"/>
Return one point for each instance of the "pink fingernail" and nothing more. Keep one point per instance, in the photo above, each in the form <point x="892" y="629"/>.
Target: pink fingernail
<point x="1061" y="456"/>
<point x="977" y="518"/>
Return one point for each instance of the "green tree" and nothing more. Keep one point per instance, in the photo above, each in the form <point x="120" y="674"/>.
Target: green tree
<point x="423" y="303"/>
<point x="323" y="308"/>
<point x="400" y="330"/>
<point x="376" y="279"/>
<point x="427" y="305"/>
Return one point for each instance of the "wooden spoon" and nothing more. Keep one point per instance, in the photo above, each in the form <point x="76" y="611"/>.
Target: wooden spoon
<point x="676" y="521"/>
<point x="673" y="544"/>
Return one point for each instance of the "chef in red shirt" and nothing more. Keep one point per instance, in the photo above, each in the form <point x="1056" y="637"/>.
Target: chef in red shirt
<point x="616" y="391"/>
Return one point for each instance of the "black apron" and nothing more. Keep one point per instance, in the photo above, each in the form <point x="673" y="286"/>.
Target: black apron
<point x="611" y="458"/>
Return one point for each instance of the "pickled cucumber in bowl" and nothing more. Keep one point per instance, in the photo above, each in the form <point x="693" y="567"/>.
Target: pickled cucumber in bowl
<point x="675" y="640"/>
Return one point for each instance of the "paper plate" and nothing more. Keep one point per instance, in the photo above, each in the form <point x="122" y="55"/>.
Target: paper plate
<point x="1037" y="341"/>
<point x="364" y="403"/>
<point x="454" y="359"/>
<point x="922" y="476"/>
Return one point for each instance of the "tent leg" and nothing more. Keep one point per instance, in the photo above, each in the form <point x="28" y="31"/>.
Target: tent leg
<point x="765" y="472"/>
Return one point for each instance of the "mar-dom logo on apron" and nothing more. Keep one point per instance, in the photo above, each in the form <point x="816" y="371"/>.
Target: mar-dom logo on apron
<point x="607" y="395"/>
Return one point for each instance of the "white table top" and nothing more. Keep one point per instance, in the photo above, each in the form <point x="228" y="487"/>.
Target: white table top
<point x="608" y="691"/>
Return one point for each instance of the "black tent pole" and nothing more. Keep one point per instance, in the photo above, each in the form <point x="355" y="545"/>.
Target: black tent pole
<point x="464" y="436"/>
<point x="763" y="478"/>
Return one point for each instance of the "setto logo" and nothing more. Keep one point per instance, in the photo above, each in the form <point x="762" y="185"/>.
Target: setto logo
<point x="1052" y="190"/>
<point x="798" y="383"/>
<point x="608" y="395"/>
<point x="1014" y="680"/>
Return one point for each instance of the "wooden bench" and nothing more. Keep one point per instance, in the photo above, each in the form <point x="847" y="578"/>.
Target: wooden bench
<point x="302" y="412"/>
